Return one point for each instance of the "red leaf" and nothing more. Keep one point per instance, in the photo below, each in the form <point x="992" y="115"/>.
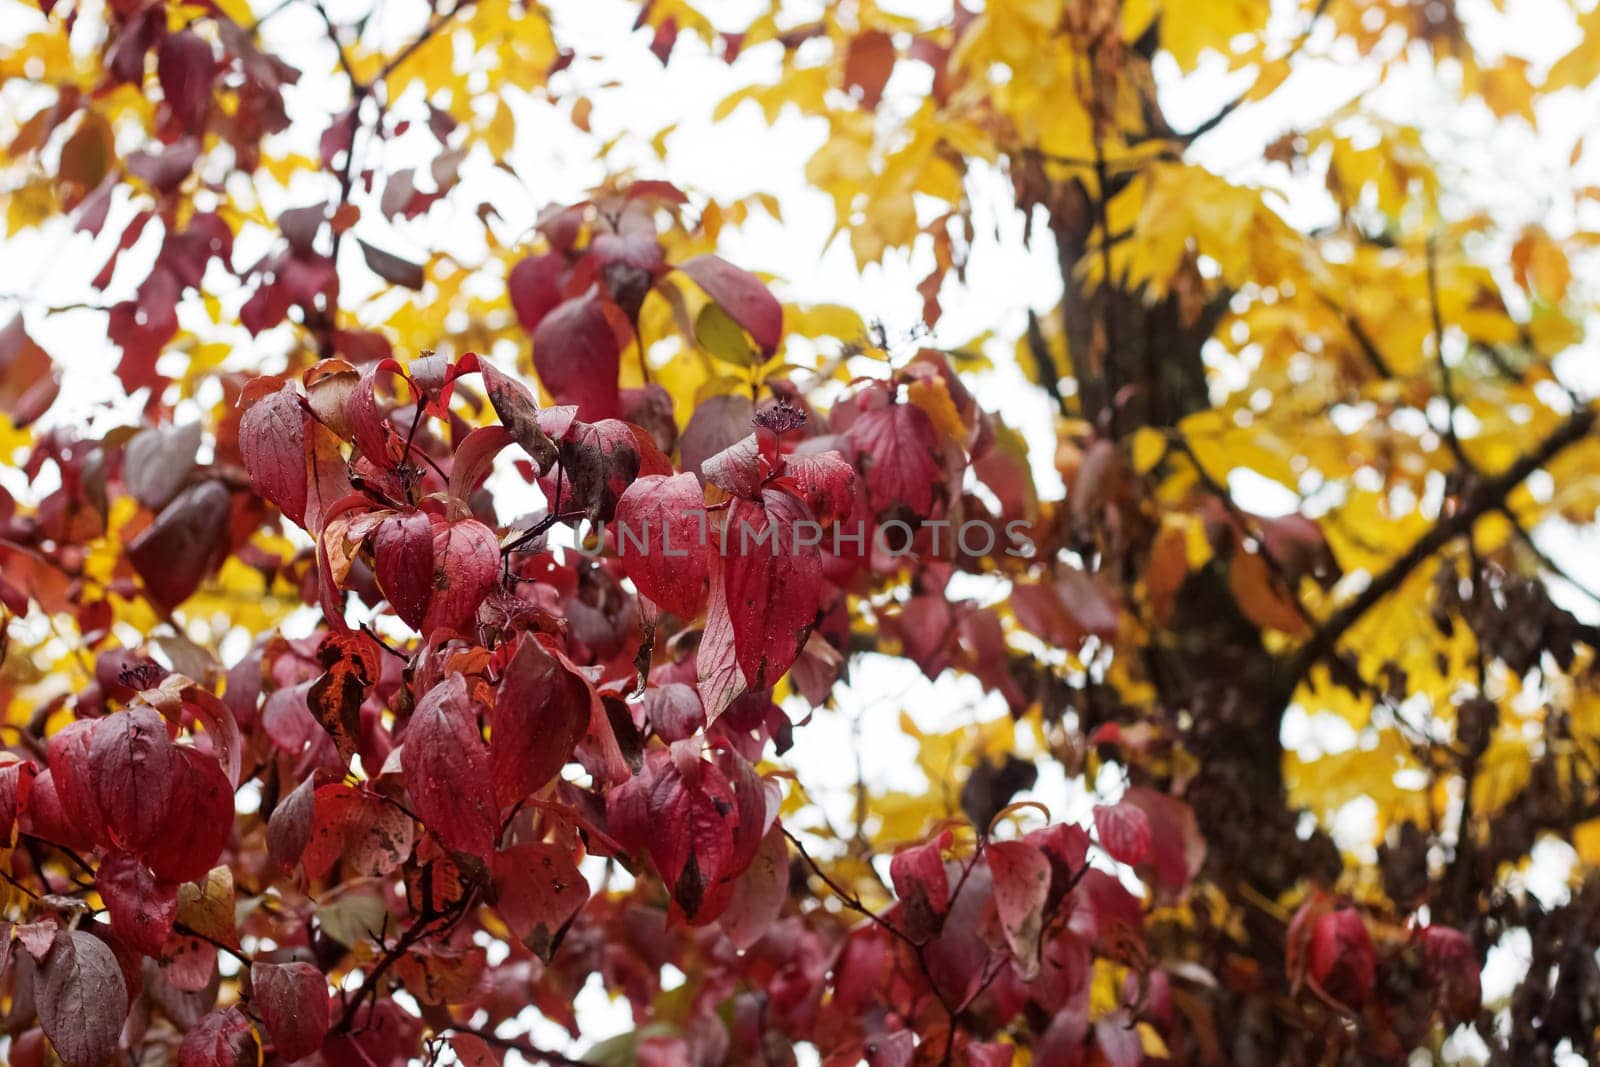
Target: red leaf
<point x="447" y="770"/>
<point x="773" y="584"/>
<point x="466" y="559"/>
<point x="898" y="1049"/>
<point x="577" y="351"/>
<point x="185" y="68"/>
<point x="926" y="626"/>
<point x="897" y="448"/>
<point x="867" y="66"/>
<point x="686" y="824"/>
<point x="1451" y="963"/>
<point x="1021" y="889"/>
<point x="362" y="346"/>
<point x="1341" y="957"/>
<point x="369" y="836"/>
<point x="29" y="381"/>
<point x="132" y="764"/>
<point x="629" y="264"/>
<point x="1177" y="850"/>
<point x="518" y="412"/>
<point x="402" y="550"/>
<point x="292" y="1000"/>
<point x="81" y="998"/>
<point x="824" y="481"/>
<point x="186" y="541"/>
<point x="474" y="459"/>
<point x="142" y="326"/>
<point x="16" y="786"/>
<point x="754" y="814"/>
<point x="737" y="469"/>
<point x="157" y="462"/>
<point x="72" y="781"/>
<point x="289" y="827"/>
<point x="220" y="1039"/>
<point x="199" y="819"/>
<point x="693" y="839"/>
<point x="666" y="35"/>
<point x="598" y="462"/>
<point x="188" y="963"/>
<point x="1066" y="846"/>
<point x="674" y="711"/>
<point x="759" y="892"/>
<point x="1124" y="832"/>
<point x="37" y="938"/>
<point x="662" y="537"/>
<point x="1041" y="612"/>
<point x="534" y="286"/>
<point x="538" y="890"/>
<point x="391" y="268"/>
<point x="1092" y="608"/>
<point x="473" y="1051"/>
<point x="541" y="711"/>
<point x="601" y="749"/>
<point x="337" y="137"/>
<point x="922" y="886"/>
<point x="718" y="421"/>
<point x="369" y="425"/>
<point x="717" y="659"/>
<point x="177" y="697"/>
<point x="1297" y="939"/>
<point x="989" y="1054"/>
<point x="742" y="295"/>
<point x="142" y="907"/>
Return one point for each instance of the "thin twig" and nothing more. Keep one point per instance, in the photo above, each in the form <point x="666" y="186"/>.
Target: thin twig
<point x="853" y="902"/>
<point x="423" y="927"/>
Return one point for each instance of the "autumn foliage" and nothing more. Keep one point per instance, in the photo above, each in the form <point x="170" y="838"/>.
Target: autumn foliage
<point x="408" y="642"/>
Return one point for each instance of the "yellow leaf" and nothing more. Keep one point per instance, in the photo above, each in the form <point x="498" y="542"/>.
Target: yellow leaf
<point x="1149" y="445"/>
<point x="658" y="143"/>
<point x="30" y="205"/>
<point x="933" y="397"/>
<point x="1327" y="783"/>
<point x="1152" y="1043"/>
<point x="1505" y="88"/>
<point x="1540" y="266"/>
<point x="1189" y="29"/>
<point x="1586" y="840"/>
<point x="501" y="132"/>
<point x="1581" y="66"/>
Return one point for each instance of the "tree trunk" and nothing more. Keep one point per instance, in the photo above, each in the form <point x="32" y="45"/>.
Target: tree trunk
<point x="1218" y="685"/>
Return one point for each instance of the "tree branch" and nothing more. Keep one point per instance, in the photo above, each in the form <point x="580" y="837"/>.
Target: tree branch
<point x="424" y="927"/>
<point x="523" y="1046"/>
<point x="1233" y="105"/>
<point x="1369" y="347"/>
<point x="1049" y="373"/>
<point x="1489" y="495"/>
